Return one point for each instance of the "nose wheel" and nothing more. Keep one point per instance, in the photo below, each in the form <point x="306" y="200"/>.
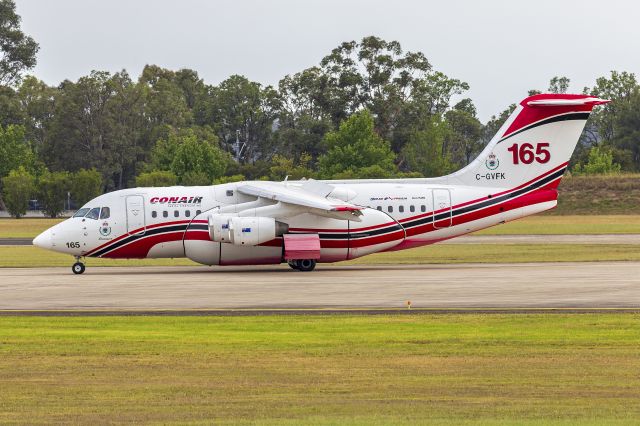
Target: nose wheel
<point x="78" y="267"/>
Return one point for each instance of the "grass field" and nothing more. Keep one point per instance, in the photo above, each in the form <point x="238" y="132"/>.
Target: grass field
<point x="29" y="256"/>
<point x="540" y="224"/>
<point x="569" y="369"/>
<point x="557" y="225"/>
<point x="24" y="228"/>
<point x="595" y="195"/>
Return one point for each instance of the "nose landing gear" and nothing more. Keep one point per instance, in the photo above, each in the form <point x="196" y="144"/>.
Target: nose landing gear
<point x="78" y="267"/>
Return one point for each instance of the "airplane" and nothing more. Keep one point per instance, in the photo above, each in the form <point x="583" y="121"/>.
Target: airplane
<point x="306" y="222"/>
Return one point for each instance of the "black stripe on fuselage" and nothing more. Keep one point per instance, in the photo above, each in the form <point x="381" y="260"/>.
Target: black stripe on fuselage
<point x="131" y="238"/>
<point x="363" y="234"/>
<point x="199" y="227"/>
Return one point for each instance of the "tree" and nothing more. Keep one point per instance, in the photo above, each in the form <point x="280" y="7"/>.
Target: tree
<point x="398" y="87"/>
<point x="378" y="75"/>
<point x="626" y="142"/>
<point x="10" y="111"/>
<point x="195" y="159"/>
<point x="284" y="166"/>
<point x="98" y="122"/>
<point x="37" y="102"/>
<point x="494" y="124"/>
<point x="243" y="109"/>
<point x="229" y="179"/>
<point x="17" y="188"/>
<point x="559" y="84"/>
<point x="15" y="151"/>
<point x="52" y="192"/>
<point x="196" y="178"/>
<point x="463" y="140"/>
<point x="165" y="100"/>
<point x="618" y="88"/>
<point x="156" y="178"/>
<point x="600" y="162"/>
<point x="425" y="152"/>
<point x="85" y="185"/>
<point x="18" y="50"/>
<point x="356" y="150"/>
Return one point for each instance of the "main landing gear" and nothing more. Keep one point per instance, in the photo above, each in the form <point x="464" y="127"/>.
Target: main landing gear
<point x="304" y="265"/>
<point x="78" y="267"/>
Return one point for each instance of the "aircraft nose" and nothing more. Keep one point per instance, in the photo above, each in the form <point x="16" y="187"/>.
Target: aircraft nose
<point x="43" y="240"/>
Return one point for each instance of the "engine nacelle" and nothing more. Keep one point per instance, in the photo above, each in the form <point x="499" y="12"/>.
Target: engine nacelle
<point x="248" y="231"/>
<point x="219" y="228"/>
<point x="252" y="231"/>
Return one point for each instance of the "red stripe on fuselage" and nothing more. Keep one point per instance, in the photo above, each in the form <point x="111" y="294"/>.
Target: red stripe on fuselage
<point x="140" y="247"/>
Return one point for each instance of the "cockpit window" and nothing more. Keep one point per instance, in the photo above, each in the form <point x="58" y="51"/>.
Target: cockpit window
<point x="81" y="212"/>
<point x="93" y="213"/>
<point x="105" y="213"/>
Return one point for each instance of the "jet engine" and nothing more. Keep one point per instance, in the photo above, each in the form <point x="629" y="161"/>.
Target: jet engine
<point x="250" y="231"/>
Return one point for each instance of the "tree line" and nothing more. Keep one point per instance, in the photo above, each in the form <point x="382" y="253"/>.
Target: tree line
<point x="369" y="109"/>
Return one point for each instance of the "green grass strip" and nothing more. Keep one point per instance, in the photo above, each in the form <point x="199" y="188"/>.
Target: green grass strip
<point x="441" y="369"/>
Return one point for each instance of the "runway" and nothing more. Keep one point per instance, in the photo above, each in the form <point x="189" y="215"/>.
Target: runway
<point x="473" y="286"/>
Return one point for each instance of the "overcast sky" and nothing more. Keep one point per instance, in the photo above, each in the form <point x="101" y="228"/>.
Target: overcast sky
<point x="501" y="48"/>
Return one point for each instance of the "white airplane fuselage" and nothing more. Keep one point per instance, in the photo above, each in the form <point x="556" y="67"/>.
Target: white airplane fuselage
<point x="173" y="222"/>
<point x="516" y="175"/>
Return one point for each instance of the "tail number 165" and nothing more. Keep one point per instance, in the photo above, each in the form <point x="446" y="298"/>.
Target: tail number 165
<point x="525" y="153"/>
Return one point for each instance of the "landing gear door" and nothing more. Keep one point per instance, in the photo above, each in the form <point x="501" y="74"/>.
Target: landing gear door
<point x="135" y="215"/>
<point x="441" y="208"/>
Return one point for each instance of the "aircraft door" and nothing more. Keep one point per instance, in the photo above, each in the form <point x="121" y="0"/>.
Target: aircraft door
<point x="135" y="215"/>
<point x="441" y="208"/>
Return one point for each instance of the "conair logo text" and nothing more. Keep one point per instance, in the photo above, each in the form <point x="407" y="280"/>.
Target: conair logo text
<point x="177" y="201"/>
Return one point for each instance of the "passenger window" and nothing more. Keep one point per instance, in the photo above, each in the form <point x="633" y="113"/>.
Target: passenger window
<point x="401" y="209"/>
<point x="154" y="214"/>
<point x="165" y="214"/>
<point x="423" y="208"/>
<point x="105" y="213"/>
<point x="412" y="209"/>
<point x="176" y="213"/>
<point x="93" y="213"/>
<point x="198" y="212"/>
<point x="390" y="209"/>
<point x="187" y="213"/>
<point x="81" y="212"/>
<point x="379" y="208"/>
<point x="229" y="192"/>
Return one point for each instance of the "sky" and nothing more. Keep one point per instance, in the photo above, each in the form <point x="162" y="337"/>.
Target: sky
<point x="501" y="48"/>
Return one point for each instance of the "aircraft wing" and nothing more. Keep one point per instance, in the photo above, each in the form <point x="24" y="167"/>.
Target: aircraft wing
<point x="312" y="197"/>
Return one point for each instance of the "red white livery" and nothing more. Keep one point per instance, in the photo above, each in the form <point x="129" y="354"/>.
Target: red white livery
<point x="308" y="221"/>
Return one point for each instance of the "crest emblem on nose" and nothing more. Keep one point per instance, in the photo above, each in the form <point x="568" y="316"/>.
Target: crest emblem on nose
<point x="105" y="229"/>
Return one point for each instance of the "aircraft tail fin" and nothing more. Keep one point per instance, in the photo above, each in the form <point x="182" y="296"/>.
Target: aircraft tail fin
<point x="534" y="143"/>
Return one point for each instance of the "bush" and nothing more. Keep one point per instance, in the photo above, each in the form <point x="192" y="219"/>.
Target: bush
<point x="85" y="185"/>
<point x="18" y="187"/>
<point x="156" y="178"/>
<point x="600" y="162"/>
<point x="52" y="192"/>
<point x="355" y="149"/>
<point x="229" y="179"/>
<point x="195" y="178"/>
